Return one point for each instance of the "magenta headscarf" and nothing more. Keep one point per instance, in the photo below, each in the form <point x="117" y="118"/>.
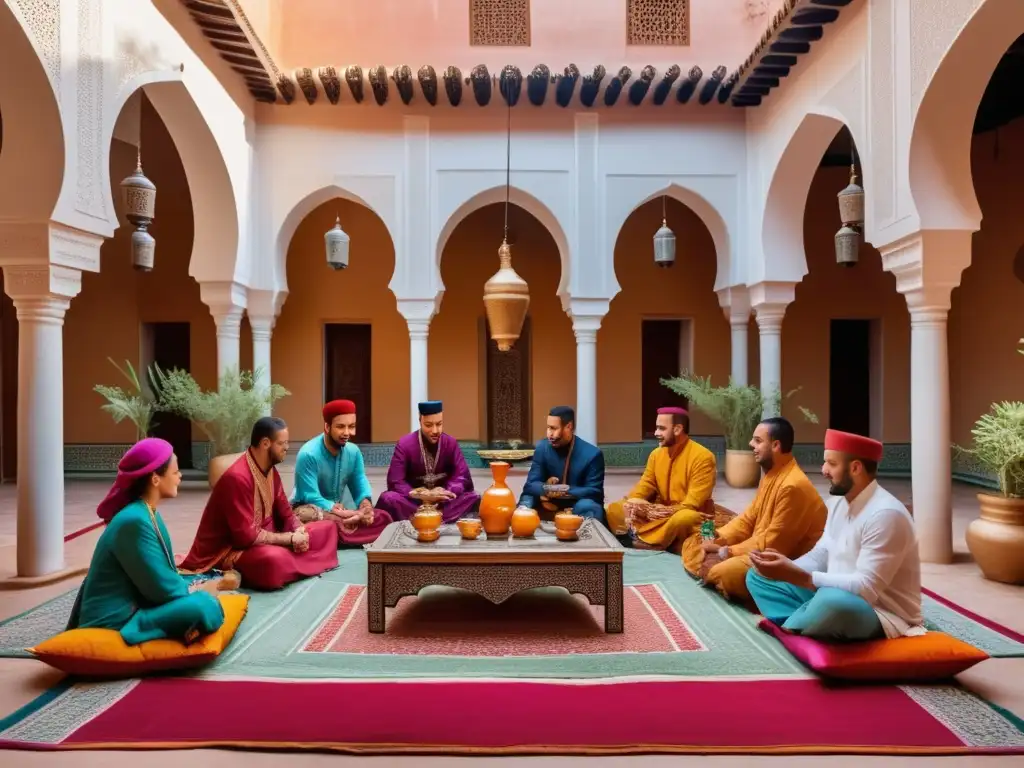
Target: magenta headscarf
<point x="146" y="456"/>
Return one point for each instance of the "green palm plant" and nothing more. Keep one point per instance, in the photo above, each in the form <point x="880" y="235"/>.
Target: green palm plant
<point x="136" y="405"/>
<point x="998" y="446"/>
<point x="736" y="408"/>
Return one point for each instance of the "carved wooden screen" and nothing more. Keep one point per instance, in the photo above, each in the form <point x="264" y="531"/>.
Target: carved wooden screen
<point x="657" y="22"/>
<point x="508" y="389"/>
<point x="499" y="22"/>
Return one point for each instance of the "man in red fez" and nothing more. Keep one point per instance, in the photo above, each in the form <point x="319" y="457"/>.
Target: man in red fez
<point x="673" y="496"/>
<point x="331" y="482"/>
<point x="862" y="580"/>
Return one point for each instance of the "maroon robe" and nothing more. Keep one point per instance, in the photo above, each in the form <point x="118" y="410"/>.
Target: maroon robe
<point x="238" y="509"/>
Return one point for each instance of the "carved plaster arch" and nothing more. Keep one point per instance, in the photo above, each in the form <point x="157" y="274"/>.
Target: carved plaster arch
<point x="528" y="203"/>
<point x="33" y="134"/>
<point x="941" y="182"/>
<point x="215" y="211"/>
<point x="782" y="228"/>
<point x="299" y="210"/>
<point x="706" y="211"/>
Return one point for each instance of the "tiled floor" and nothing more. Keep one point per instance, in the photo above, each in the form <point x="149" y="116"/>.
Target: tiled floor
<point x="1000" y="680"/>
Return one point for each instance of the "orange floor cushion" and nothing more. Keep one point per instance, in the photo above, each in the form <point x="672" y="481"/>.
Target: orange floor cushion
<point x="932" y="656"/>
<point x="103" y="653"/>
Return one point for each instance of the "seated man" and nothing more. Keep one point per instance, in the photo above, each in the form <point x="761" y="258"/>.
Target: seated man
<point x="563" y="459"/>
<point x="674" y="492"/>
<point x="429" y="460"/>
<point x="328" y="470"/>
<point x="862" y="580"/>
<point x="787" y="516"/>
<point x="248" y="524"/>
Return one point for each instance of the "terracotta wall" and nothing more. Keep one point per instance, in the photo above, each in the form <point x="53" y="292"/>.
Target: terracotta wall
<point x="648" y="292"/>
<point x="986" y="319"/>
<point x="318" y="295"/>
<point x="829" y="292"/>
<point x="105" y="319"/>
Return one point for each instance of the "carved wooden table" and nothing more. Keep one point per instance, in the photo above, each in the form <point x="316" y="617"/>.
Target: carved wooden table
<point x="495" y="568"/>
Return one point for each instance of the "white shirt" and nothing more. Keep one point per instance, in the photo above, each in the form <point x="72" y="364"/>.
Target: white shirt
<point x="869" y="548"/>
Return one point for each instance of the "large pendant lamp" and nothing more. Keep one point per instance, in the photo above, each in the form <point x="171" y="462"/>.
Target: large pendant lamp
<point x="506" y="294"/>
<point x="851" y="213"/>
<point x="139" y="197"/>
<point x="664" y="242"/>
<point x="336" y="242"/>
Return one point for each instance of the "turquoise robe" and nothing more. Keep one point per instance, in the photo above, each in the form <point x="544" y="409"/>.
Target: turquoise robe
<point x="323" y="480"/>
<point x="134" y="587"/>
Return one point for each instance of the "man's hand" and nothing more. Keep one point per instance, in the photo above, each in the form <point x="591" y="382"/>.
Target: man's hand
<point x="300" y="540"/>
<point x="773" y="565"/>
<point x="366" y="511"/>
<point x="710" y="547"/>
<point x="659" y="512"/>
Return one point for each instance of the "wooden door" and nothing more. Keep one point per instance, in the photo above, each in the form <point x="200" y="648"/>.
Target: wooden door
<point x="849" y="379"/>
<point x="508" y="389"/>
<point x="347" y="372"/>
<point x="169" y="345"/>
<point x="8" y="387"/>
<point x="660" y="345"/>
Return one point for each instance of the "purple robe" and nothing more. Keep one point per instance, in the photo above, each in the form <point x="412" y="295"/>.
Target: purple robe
<point x="407" y="471"/>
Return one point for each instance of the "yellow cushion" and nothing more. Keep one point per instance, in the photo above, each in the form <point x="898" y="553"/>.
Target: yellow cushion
<point x="103" y="652"/>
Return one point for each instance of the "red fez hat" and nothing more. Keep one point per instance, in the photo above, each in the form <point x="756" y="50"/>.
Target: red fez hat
<point x="857" y="446"/>
<point x="338" y="408"/>
<point x="671" y="410"/>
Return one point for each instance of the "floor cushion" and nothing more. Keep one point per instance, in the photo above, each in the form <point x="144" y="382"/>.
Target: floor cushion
<point x="932" y="656"/>
<point x="103" y="653"/>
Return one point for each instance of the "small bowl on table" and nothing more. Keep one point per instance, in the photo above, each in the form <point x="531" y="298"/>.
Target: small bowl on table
<point x="470" y="527"/>
<point x="556" y="490"/>
<point x="567" y="525"/>
<point x="427" y="522"/>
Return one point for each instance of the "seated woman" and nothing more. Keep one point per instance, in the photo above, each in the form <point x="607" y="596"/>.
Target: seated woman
<point x="133" y="585"/>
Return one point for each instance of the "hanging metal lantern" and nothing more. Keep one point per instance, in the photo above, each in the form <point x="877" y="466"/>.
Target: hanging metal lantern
<point x="506" y="299"/>
<point x="336" y="241"/>
<point x="851" y="201"/>
<point x="664" y="246"/>
<point x="848" y="240"/>
<point x="139" y="197"/>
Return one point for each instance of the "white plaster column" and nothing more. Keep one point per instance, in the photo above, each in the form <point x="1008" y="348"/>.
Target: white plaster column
<point x="769" y="301"/>
<point x="587" y="315"/>
<point x="263" y="308"/>
<point x="735" y="302"/>
<point x="927" y="266"/>
<point x="227" y="303"/>
<point x="418" y="313"/>
<point x="42" y="295"/>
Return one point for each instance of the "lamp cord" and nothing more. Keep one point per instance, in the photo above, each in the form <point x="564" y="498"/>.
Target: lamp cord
<point x="508" y="157"/>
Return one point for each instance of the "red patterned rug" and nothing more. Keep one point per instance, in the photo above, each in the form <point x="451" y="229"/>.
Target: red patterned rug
<point x="446" y="623"/>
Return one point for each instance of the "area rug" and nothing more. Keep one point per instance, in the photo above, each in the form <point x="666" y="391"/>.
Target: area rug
<point x="455" y="675"/>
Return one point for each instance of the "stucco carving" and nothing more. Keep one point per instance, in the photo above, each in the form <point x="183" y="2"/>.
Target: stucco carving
<point x="27" y="283"/>
<point x="76" y="249"/>
<point x="43" y="20"/>
<point x="89" y="198"/>
<point x="130" y="67"/>
<point x="658" y="22"/>
<point x="934" y="25"/>
<point x="499" y="22"/>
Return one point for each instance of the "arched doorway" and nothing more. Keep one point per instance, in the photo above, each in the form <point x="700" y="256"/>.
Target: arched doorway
<point x="500" y="396"/>
<point x="662" y="322"/>
<point x="339" y="334"/>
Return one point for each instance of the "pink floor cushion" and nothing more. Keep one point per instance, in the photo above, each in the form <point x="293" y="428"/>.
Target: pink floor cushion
<point x="932" y="656"/>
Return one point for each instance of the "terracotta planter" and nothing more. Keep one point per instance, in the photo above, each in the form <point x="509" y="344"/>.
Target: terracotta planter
<point x="498" y="502"/>
<point x="996" y="538"/>
<point x="741" y="469"/>
<point x="218" y="466"/>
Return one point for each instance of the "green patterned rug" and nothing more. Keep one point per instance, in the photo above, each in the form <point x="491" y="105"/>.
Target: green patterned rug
<point x="316" y="629"/>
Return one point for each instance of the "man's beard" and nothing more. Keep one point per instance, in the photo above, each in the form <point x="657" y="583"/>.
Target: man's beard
<point x="767" y="462"/>
<point x="338" y="444"/>
<point x="840" y="487"/>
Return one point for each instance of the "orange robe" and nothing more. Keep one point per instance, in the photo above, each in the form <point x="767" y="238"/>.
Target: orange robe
<point x="679" y="477"/>
<point x="787" y="515"/>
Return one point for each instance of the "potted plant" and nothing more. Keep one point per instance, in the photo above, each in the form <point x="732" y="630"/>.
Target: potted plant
<point x="996" y="538"/>
<point x="738" y="410"/>
<point x="225" y="415"/>
<point x="137" y="406"/>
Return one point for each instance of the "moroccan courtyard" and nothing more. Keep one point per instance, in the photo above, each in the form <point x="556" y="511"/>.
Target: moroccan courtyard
<point x="959" y="582"/>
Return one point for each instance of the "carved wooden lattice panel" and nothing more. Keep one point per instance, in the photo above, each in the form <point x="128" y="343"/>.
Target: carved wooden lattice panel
<point x="657" y="22"/>
<point x="499" y="22"/>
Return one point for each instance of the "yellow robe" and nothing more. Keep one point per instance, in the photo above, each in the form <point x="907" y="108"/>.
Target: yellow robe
<point x="679" y="478"/>
<point x="787" y="515"/>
